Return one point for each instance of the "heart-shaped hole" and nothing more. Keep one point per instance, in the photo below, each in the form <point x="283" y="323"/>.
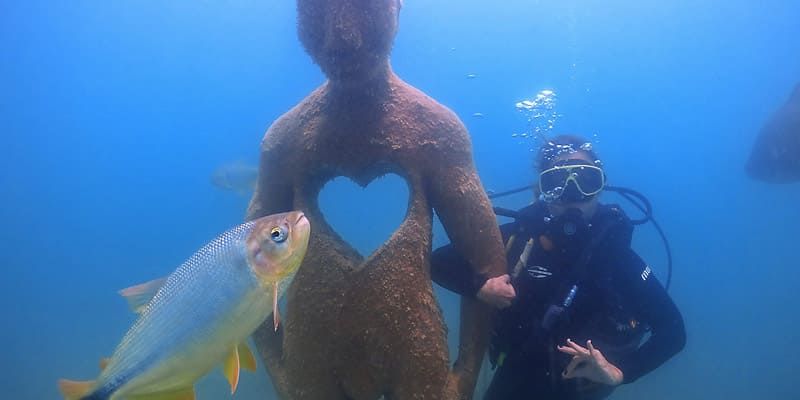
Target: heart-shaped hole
<point x="365" y="217"/>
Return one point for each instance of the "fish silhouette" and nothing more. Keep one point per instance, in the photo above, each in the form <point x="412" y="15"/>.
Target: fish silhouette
<point x="775" y="157"/>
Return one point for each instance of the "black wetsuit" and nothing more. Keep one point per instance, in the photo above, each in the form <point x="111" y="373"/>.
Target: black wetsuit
<point x="617" y="303"/>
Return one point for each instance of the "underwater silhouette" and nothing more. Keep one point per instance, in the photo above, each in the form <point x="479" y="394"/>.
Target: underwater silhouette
<point x="775" y="157"/>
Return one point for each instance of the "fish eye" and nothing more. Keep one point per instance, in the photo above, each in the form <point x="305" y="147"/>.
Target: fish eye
<point x="278" y="234"/>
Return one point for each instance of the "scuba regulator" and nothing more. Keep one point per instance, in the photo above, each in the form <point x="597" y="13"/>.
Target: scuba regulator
<point x="637" y="199"/>
<point x="568" y="232"/>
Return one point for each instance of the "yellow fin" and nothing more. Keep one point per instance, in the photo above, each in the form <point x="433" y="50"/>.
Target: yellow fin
<point x="276" y="317"/>
<point x="230" y="368"/>
<point x="104" y="363"/>
<point x="74" y="390"/>
<point x="246" y="358"/>
<point x="182" y="394"/>
<point x="138" y="296"/>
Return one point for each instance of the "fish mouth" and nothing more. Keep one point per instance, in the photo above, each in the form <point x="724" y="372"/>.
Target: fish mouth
<point x="301" y="229"/>
<point x="301" y="222"/>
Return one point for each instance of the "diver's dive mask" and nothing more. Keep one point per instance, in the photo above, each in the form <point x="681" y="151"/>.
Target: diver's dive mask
<point x="571" y="180"/>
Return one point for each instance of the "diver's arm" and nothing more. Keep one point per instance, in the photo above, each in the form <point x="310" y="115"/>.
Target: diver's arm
<point x="451" y="271"/>
<point x="645" y="295"/>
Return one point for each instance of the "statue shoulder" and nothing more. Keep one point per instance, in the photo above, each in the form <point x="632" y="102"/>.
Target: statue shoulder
<point x="288" y="128"/>
<point x="433" y="124"/>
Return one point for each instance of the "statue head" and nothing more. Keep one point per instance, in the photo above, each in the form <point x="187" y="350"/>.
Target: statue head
<point x="348" y="39"/>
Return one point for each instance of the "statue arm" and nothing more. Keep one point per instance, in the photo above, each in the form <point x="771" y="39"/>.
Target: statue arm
<point x="462" y="205"/>
<point x="465" y="211"/>
<point x="272" y="195"/>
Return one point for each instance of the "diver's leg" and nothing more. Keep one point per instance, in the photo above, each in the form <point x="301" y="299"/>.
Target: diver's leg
<point x="504" y="385"/>
<point x="515" y="381"/>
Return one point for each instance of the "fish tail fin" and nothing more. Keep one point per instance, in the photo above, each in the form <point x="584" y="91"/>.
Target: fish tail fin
<point x="74" y="390"/>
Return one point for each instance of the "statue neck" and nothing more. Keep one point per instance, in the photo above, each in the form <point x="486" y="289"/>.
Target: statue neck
<point x="373" y="87"/>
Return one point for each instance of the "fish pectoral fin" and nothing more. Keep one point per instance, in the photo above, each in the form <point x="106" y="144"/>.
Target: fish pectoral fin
<point x="180" y="394"/>
<point x="246" y="358"/>
<point x="230" y="368"/>
<point x="138" y="296"/>
<point x="74" y="390"/>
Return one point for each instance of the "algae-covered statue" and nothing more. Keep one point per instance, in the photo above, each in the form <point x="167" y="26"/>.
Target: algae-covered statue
<point x="355" y="327"/>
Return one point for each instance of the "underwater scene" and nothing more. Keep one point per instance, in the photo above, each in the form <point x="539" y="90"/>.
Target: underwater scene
<point x="301" y="199"/>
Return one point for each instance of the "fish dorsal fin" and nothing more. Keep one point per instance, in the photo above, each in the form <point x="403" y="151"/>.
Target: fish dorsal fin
<point x="139" y="296"/>
<point x="181" y="394"/>
<point x="246" y="358"/>
<point x="104" y="363"/>
<point x="74" y="390"/>
<point x="230" y="368"/>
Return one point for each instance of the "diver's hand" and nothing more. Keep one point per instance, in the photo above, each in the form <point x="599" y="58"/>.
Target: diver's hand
<point x="589" y="363"/>
<point x="497" y="291"/>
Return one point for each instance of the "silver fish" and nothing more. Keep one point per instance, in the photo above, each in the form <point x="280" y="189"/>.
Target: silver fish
<point x="202" y="314"/>
<point x="237" y="177"/>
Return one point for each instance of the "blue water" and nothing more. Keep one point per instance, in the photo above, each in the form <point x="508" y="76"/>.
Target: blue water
<point x="113" y="115"/>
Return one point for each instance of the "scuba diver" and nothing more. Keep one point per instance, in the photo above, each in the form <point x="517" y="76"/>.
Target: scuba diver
<point x="579" y="312"/>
